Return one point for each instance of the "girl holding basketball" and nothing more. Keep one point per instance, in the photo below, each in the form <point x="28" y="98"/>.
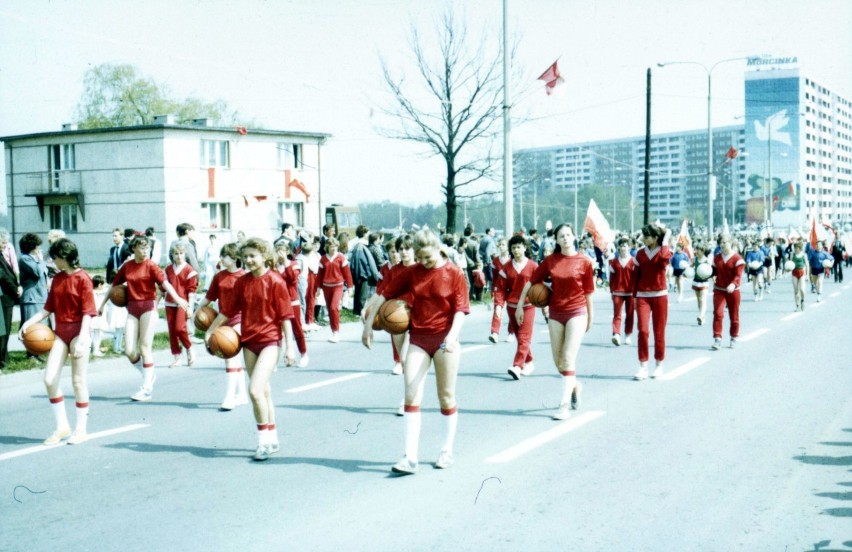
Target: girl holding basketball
<point x="184" y="279"/>
<point x="440" y="303"/>
<point x="572" y="275"/>
<point x="72" y="303"/>
<point x="509" y="280"/>
<point x="333" y="273"/>
<point x="142" y="276"/>
<point x="263" y="302"/>
<point x="701" y="280"/>
<point x="651" y="293"/>
<point x="221" y="290"/>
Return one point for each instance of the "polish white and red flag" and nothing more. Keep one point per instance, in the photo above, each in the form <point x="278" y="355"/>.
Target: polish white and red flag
<point x="684" y="239"/>
<point x="598" y="227"/>
<point x="551" y="78"/>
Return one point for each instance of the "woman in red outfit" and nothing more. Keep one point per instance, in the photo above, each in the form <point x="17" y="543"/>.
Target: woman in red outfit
<point x="572" y="276"/>
<point x="622" y="271"/>
<point x="221" y="290"/>
<point x="184" y="279"/>
<point x="142" y="276"/>
<point x="440" y="303"/>
<point x="503" y="256"/>
<point x="289" y="269"/>
<point x="332" y="275"/>
<point x="264" y="305"/>
<point x="652" y="299"/>
<point x="509" y="281"/>
<point x="728" y="269"/>
<point x="72" y="302"/>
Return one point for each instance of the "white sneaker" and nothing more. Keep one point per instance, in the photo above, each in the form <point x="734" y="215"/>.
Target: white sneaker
<point x="641" y="374"/>
<point x="515" y="372"/>
<point x="628" y="340"/>
<point x="228" y="404"/>
<point x="397" y="369"/>
<point x="57" y="436"/>
<point x="733" y="342"/>
<point x="401" y="410"/>
<point x="261" y="454"/>
<point x="143" y="395"/>
<point x="405" y="467"/>
<point x="175" y="362"/>
<point x="97" y="353"/>
<point x="272" y="448"/>
<point x="493" y="338"/>
<point x="563" y="413"/>
<point x="445" y="460"/>
<point x="241" y="399"/>
<point x="528" y="369"/>
<point x="335" y="338"/>
<point x="79" y="436"/>
<point x="819" y="298"/>
<point x="717" y="344"/>
<point x="616" y="340"/>
<point x="658" y="372"/>
<point x="303" y="362"/>
<point x="510" y="338"/>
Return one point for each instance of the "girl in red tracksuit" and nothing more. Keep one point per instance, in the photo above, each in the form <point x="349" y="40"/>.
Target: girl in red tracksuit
<point x="184" y="279"/>
<point x="221" y="290"/>
<point x="509" y="282"/>
<point x="497" y="263"/>
<point x="572" y="276"/>
<point x="651" y="293"/>
<point x="289" y="270"/>
<point x="264" y="304"/>
<point x="333" y="274"/>
<point x="439" y="307"/>
<point x="72" y="303"/>
<point x="728" y="269"/>
<point x="622" y="273"/>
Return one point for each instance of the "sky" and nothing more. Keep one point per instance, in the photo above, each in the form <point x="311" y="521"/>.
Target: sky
<point x="314" y="66"/>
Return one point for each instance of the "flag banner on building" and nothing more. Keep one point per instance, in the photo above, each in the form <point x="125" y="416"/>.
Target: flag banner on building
<point x="551" y="78"/>
<point x="242" y="131"/>
<point x="684" y="239"/>
<point x="732" y="153"/>
<point x="290" y="182"/>
<point x="598" y="227"/>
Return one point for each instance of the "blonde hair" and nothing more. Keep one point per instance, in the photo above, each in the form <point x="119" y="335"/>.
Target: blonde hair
<point x="261" y="246"/>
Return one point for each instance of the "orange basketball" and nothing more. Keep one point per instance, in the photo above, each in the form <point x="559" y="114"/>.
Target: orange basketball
<point x="38" y="339"/>
<point x="118" y="295"/>
<point x="539" y="295"/>
<point x="204" y="317"/>
<point x="394" y="316"/>
<point x="225" y="342"/>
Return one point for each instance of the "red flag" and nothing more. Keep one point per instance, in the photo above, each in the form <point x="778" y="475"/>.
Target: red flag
<point x="242" y="131"/>
<point x="813" y="234"/>
<point x="732" y="153"/>
<point x="684" y="239"/>
<point x="598" y="227"/>
<point x="551" y="78"/>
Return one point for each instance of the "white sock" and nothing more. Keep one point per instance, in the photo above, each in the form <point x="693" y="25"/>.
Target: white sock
<point x="82" y="416"/>
<point x="262" y="437"/>
<point x="58" y="406"/>
<point x="412" y="435"/>
<point x="232" y="383"/>
<point x="241" y="383"/>
<point x="451" y="423"/>
<point x="148" y="374"/>
<point x="568" y="383"/>
<point x="97" y="336"/>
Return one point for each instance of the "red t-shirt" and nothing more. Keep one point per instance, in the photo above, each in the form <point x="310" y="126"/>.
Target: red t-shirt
<point x="142" y="279"/>
<point x="70" y="297"/>
<point x="572" y="278"/>
<point x="334" y="271"/>
<point x="222" y="290"/>
<point x="621" y="278"/>
<point x="651" y="271"/>
<point x="290" y="275"/>
<point x="264" y="303"/>
<point x="184" y="282"/>
<point x="728" y="271"/>
<point x="438" y="294"/>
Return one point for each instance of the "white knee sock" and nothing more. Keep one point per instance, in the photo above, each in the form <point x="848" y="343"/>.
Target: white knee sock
<point x="451" y="424"/>
<point x="568" y="383"/>
<point x="148" y="373"/>
<point x="58" y="406"/>
<point x="82" y="416"/>
<point x="232" y="383"/>
<point x="412" y="435"/>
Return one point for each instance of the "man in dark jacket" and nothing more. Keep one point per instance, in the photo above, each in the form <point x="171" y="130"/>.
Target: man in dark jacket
<point x="11" y="292"/>
<point x="365" y="273"/>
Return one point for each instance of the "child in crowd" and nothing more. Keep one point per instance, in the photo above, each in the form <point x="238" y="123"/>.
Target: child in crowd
<point x="184" y="280"/>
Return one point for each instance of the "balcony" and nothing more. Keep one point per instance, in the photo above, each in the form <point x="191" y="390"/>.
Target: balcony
<point x="52" y="183"/>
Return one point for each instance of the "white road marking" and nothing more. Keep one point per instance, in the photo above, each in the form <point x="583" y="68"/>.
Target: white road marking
<point x="543" y="438"/>
<point x="752" y="335"/>
<point x="815" y="304"/>
<point x="96" y="435"/>
<point x="835" y="294"/>
<point x="476" y="348"/>
<point x="791" y="316"/>
<point x="845" y="287"/>
<point x="681" y="370"/>
<point x="327" y="382"/>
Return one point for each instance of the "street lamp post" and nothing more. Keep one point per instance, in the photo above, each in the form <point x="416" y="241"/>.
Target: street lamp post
<point x="711" y="188"/>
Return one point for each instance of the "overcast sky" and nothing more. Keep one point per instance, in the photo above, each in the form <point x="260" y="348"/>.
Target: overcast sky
<point x="313" y="66"/>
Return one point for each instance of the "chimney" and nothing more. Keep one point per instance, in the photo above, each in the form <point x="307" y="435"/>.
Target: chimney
<point x="69" y="126"/>
<point x="202" y="122"/>
<point x="164" y="119"/>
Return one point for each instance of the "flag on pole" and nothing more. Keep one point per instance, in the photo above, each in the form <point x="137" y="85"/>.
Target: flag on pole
<point x="551" y="78"/>
<point x="812" y="237"/>
<point x="598" y="227"/>
<point x="684" y="239"/>
<point x="732" y="153"/>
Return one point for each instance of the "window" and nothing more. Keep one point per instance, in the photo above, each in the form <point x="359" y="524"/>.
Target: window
<point x="61" y="159"/>
<point x="214" y="153"/>
<point x="218" y="215"/>
<point x="64" y="217"/>
<point x="292" y="212"/>
<point x="289" y="156"/>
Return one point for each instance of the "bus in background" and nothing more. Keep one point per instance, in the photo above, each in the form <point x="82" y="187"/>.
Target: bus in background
<point x="344" y="218"/>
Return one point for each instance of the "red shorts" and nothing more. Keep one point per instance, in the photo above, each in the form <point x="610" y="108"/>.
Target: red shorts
<point x="798" y="272"/>
<point x="67" y="331"/>
<point x="431" y="343"/>
<point x="564" y="317"/>
<point x="257" y="347"/>
<point x="137" y="308"/>
<point x="235" y="320"/>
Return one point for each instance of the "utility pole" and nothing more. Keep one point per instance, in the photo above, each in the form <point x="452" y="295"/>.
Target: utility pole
<point x="647" y="213"/>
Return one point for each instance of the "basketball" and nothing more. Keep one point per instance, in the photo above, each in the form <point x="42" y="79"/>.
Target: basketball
<point x="38" y="339"/>
<point x="118" y="295"/>
<point x="828" y="263"/>
<point x="204" y="317"/>
<point x="683" y="265"/>
<point x="789" y="266"/>
<point x="689" y="272"/>
<point x="539" y="295"/>
<point x="754" y="265"/>
<point x="225" y="342"/>
<point x="704" y="271"/>
<point x="394" y="316"/>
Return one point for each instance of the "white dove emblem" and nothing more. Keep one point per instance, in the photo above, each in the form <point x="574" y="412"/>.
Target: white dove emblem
<point x="769" y="130"/>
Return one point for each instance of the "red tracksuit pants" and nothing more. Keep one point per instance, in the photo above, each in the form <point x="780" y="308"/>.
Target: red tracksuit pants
<point x="178" y="334"/>
<point x="619" y="301"/>
<point x="333" y="295"/>
<point x="310" y="298"/>
<point x="524" y="333"/>
<point x="652" y="311"/>
<point x="722" y="299"/>
<point x="298" y="330"/>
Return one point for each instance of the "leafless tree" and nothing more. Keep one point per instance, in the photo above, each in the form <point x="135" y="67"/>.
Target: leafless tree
<point x="453" y="106"/>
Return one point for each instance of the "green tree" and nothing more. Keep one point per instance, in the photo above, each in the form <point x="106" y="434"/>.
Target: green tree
<point x="117" y="96"/>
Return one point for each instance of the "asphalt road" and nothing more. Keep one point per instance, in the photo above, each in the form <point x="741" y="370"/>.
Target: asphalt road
<point x="745" y="449"/>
